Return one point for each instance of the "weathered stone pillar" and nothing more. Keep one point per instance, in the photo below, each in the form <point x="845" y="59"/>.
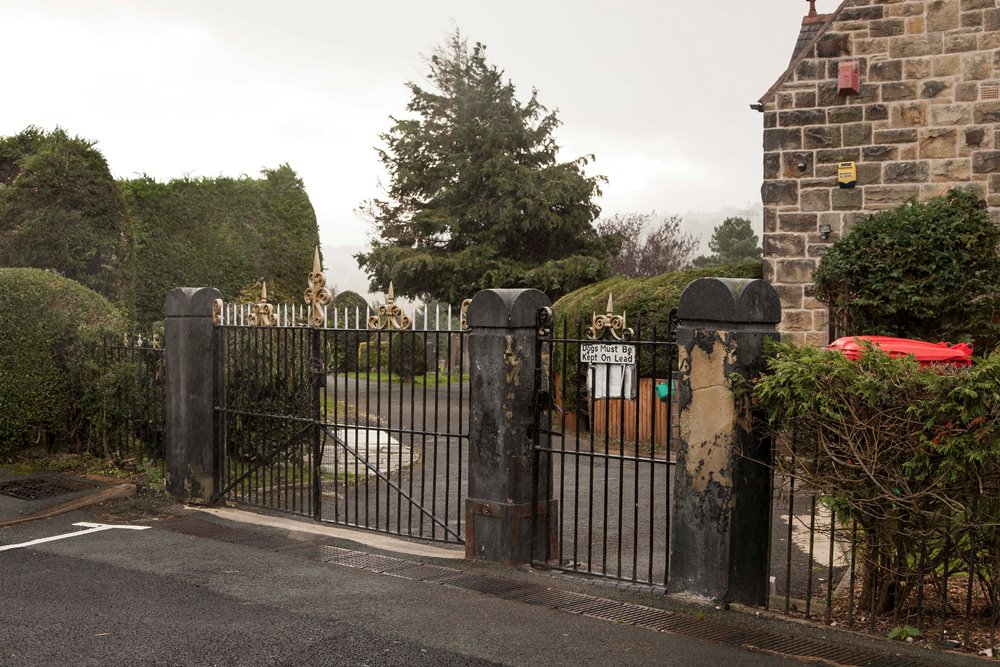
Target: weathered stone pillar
<point x="501" y="507"/>
<point x="722" y="484"/>
<point x="190" y="400"/>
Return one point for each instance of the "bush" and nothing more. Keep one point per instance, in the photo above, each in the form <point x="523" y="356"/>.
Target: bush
<point x="407" y="354"/>
<point x="342" y="346"/>
<point x="927" y="270"/>
<point x="911" y="453"/>
<point x="60" y="209"/>
<point x="53" y="390"/>
<point x="224" y="233"/>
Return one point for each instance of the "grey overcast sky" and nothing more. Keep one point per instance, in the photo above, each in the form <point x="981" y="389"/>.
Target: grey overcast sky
<point x="657" y="90"/>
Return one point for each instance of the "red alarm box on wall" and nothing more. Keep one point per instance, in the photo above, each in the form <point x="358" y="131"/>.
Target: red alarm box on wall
<point x="849" y="78"/>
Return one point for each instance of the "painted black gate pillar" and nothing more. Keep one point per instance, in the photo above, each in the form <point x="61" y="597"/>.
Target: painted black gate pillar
<point x="190" y="389"/>
<point x="721" y="503"/>
<point x="501" y="508"/>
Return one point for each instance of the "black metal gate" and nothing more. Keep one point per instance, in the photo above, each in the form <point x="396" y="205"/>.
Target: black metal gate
<point x="607" y="430"/>
<point x="362" y="424"/>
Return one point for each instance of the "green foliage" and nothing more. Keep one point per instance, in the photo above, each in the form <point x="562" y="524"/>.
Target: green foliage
<point x="224" y="232"/>
<point x="645" y="248"/>
<point x="645" y="300"/>
<point x="342" y="346"/>
<point x="407" y="354"/>
<point x="927" y="270"/>
<point x="51" y="381"/>
<point x="904" y="632"/>
<point x="911" y="453"/>
<point x="476" y="197"/>
<point x="60" y="209"/>
<point x="732" y="241"/>
<point x="373" y="355"/>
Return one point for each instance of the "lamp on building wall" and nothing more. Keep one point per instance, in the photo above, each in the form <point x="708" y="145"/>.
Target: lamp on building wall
<point x="825" y="230"/>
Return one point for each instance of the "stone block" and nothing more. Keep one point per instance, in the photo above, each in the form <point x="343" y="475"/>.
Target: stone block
<point x="943" y="15"/>
<point x="977" y="66"/>
<point x="809" y="183"/>
<point x="917" y="68"/>
<point x="935" y="88"/>
<point x="887" y="70"/>
<point x="780" y="193"/>
<point x="906" y="172"/>
<point x="805" y="99"/>
<point x="842" y="114"/>
<point x="800" y="117"/>
<point x="783" y="139"/>
<point x="879" y="153"/>
<point x="938" y="143"/>
<point x="912" y="46"/>
<point x="947" y="66"/>
<point x="857" y="134"/>
<point x="966" y="92"/>
<point x="827" y="95"/>
<point x="770" y="219"/>
<point x="846" y="199"/>
<point x="770" y="120"/>
<point x="895" y="136"/>
<point x="797" y="164"/>
<point x="871" y="47"/>
<point x="989" y="41"/>
<point x="826" y="136"/>
<point x="986" y="162"/>
<point x="908" y="152"/>
<point x="868" y="13"/>
<point x="790" y="295"/>
<point x="974" y="136"/>
<point x="833" y="45"/>
<point x="899" y="90"/>
<point x="961" y="43"/>
<point x="797" y="320"/>
<point x="785" y="100"/>
<point x="909" y="114"/>
<point x="886" y="196"/>
<point x="772" y="166"/>
<point x="876" y="112"/>
<point x="835" y="155"/>
<point x="951" y="114"/>
<point x="931" y="190"/>
<point x="994" y="184"/>
<point x="814" y="200"/>
<point x="951" y="170"/>
<point x="809" y="70"/>
<point x="972" y="19"/>
<point x="785" y="246"/>
<point x="797" y="222"/>
<point x="887" y="28"/>
<point x="869" y="173"/>
<point x="915" y="25"/>
<point x="969" y="5"/>
<point x="796" y="271"/>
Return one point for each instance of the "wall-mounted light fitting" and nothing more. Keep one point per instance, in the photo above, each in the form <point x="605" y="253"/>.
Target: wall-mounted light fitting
<point x="802" y="166"/>
<point x="824" y="231"/>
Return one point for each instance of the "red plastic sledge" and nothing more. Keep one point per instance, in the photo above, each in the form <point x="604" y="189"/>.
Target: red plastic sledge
<point x="928" y="354"/>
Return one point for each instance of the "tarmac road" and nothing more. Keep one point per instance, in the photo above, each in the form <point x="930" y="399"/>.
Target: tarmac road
<point x="157" y="597"/>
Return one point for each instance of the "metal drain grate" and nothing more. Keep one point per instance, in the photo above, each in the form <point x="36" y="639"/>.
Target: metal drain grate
<point x="38" y="488"/>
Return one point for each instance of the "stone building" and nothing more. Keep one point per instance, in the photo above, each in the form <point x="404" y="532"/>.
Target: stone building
<point x="921" y="115"/>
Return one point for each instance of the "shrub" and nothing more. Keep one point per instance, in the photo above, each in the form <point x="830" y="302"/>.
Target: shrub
<point x="60" y="209"/>
<point x="927" y="270"/>
<point x="53" y="391"/>
<point x="911" y="453"/>
<point x="407" y="354"/>
<point x="342" y="346"/>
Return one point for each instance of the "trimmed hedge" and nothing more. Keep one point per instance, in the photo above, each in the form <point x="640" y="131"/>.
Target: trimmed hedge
<point x="53" y="389"/>
<point x="60" y="209"/>
<point x="225" y="233"/>
<point x="644" y="300"/>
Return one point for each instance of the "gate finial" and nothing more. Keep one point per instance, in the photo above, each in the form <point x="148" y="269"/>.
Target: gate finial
<point x="616" y="325"/>
<point x="317" y="295"/>
<point x="262" y="313"/>
<point x="390" y="316"/>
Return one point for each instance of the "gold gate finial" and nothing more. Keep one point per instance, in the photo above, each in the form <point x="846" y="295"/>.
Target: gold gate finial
<point x="390" y="316"/>
<point x="317" y="295"/>
<point x="262" y="313"/>
<point x="616" y="325"/>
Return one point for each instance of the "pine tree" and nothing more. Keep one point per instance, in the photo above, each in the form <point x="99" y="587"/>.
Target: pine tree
<point x="477" y="197"/>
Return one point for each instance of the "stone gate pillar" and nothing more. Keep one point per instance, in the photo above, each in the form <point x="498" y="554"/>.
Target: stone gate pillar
<point x="500" y="509"/>
<point x="721" y="505"/>
<point x="190" y="393"/>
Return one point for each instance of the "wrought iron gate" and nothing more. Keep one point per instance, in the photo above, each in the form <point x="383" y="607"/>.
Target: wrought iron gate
<point x="361" y="423"/>
<point x="607" y="430"/>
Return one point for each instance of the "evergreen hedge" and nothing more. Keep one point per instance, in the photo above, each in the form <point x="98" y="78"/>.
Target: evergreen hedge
<point x="53" y="387"/>
<point x="223" y="232"/>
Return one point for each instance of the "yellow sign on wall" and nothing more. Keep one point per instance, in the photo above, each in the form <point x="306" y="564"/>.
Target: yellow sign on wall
<point x="847" y="174"/>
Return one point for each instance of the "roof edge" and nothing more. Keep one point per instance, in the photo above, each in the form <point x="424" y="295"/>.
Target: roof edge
<point x="830" y="19"/>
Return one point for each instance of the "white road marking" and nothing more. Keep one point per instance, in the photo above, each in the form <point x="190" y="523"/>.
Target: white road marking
<point x="90" y="528"/>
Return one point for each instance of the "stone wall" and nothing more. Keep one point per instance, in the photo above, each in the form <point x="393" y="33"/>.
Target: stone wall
<point x="926" y="119"/>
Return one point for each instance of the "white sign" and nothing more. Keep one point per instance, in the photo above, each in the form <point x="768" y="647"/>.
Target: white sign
<point x="607" y="353"/>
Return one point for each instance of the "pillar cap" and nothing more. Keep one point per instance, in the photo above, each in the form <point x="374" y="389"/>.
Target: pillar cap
<point x="190" y="301"/>
<point x="506" y="308"/>
<point x="734" y="300"/>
